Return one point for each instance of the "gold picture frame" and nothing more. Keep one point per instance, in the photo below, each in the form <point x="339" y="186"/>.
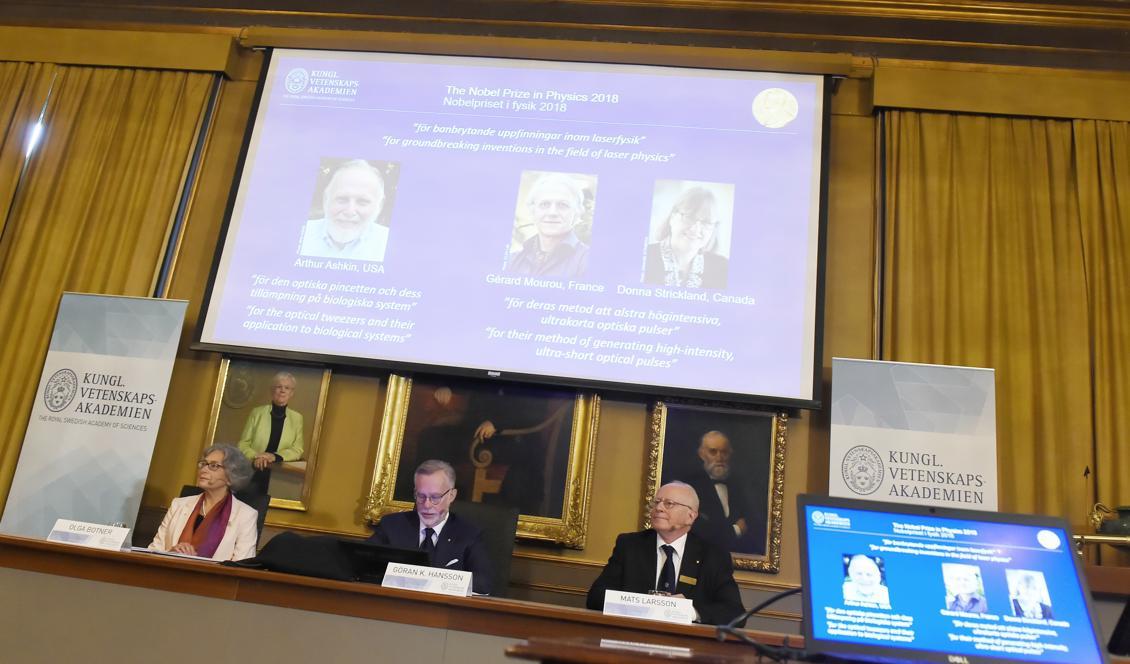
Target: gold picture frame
<point x="434" y="418"/>
<point x="244" y="384"/>
<point x="755" y="479"/>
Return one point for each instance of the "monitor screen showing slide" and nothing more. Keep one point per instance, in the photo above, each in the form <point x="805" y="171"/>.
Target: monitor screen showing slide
<point x="904" y="582"/>
<point x="651" y="229"/>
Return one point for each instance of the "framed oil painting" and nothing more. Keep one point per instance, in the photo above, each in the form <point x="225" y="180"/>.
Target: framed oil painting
<point x="735" y="460"/>
<point x="250" y="394"/>
<point x="516" y="445"/>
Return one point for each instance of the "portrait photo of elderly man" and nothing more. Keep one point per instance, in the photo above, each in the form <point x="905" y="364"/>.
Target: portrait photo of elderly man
<point x="965" y="589"/>
<point x="355" y="207"/>
<point x="553" y="223"/>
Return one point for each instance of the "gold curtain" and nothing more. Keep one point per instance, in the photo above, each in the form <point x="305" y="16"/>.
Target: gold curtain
<point x="1102" y="155"/>
<point x="23" y="91"/>
<point x="91" y="213"/>
<point x="996" y="237"/>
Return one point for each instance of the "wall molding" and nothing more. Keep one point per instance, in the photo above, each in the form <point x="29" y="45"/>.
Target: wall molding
<point x="999" y="90"/>
<point x="124" y="48"/>
<point x="1088" y="35"/>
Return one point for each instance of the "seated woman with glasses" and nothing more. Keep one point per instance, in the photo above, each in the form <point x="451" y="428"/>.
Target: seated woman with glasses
<point x="213" y="524"/>
<point x="685" y="254"/>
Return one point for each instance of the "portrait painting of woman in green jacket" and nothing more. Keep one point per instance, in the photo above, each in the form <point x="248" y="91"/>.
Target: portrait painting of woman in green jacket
<point x="273" y="432"/>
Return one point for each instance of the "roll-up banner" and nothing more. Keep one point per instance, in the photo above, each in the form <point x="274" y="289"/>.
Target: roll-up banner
<point x="913" y="433"/>
<point x="90" y="438"/>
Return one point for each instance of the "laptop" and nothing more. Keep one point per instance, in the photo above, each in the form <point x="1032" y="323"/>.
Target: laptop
<point x="368" y="561"/>
<point x="887" y="582"/>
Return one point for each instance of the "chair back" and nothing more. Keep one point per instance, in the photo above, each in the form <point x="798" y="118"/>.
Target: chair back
<point x="499" y="525"/>
<point x="257" y="501"/>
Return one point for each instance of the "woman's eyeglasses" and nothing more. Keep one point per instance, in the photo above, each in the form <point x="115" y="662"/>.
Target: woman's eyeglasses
<point x="706" y="223"/>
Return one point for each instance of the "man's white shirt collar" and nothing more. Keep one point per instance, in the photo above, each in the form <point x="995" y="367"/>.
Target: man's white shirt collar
<point x="679" y="544"/>
<point x="723" y="491"/>
<point x="438" y="528"/>
<point x="660" y="556"/>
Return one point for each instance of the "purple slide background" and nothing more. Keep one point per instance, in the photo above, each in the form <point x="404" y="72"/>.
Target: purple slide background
<point x="453" y="214"/>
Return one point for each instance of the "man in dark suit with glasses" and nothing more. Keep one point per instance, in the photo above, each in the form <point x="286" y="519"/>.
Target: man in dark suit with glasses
<point x="451" y="542"/>
<point x="669" y="559"/>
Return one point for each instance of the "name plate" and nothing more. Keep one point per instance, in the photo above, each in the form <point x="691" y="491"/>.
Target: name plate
<point x="93" y="535"/>
<point x="649" y="607"/>
<point x="427" y="579"/>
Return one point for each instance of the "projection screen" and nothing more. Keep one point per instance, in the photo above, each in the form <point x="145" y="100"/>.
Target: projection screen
<point x="649" y="229"/>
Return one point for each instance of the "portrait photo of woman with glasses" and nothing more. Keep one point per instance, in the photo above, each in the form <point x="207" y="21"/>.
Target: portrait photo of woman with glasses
<point x="689" y="240"/>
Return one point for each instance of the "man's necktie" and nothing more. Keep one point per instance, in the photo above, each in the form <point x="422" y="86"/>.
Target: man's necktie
<point x="667" y="576"/>
<point x="428" y="545"/>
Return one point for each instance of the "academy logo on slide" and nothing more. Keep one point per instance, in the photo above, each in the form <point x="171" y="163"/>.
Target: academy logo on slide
<point x="830" y="519"/>
<point x="296" y="80"/>
<point x="321" y="84"/>
<point x="60" y="391"/>
<point x="862" y="470"/>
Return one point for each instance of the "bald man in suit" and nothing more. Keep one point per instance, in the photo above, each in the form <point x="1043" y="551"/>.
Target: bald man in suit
<point x="668" y="558"/>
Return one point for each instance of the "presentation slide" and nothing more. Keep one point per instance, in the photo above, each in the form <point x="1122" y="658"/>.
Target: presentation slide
<point x="989" y="591"/>
<point x="653" y="228"/>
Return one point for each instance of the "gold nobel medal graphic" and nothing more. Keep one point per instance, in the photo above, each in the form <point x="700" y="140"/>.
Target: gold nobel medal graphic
<point x="775" y="107"/>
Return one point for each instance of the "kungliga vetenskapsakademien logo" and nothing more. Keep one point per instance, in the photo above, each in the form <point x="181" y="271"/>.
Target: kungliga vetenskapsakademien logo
<point x="296" y="80"/>
<point x="60" y="391"/>
<point x="862" y="469"/>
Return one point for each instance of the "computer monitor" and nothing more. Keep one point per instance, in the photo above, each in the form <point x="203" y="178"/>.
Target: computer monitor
<point x="368" y="561"/>
<point x="895" y="582"/>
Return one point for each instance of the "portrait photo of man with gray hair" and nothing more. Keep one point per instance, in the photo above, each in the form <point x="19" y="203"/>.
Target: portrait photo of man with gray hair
<point x="553" y="220"/>
<point x="354" y="203"/>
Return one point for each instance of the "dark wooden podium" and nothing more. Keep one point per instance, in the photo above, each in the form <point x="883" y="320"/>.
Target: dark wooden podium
<point x="589" y="650"/>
